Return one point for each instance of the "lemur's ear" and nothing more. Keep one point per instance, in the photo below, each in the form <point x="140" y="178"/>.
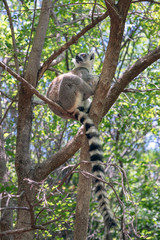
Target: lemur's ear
<point x="92" y="56"/>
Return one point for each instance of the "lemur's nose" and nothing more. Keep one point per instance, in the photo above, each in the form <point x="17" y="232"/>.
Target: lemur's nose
<point x="78" y="58"/>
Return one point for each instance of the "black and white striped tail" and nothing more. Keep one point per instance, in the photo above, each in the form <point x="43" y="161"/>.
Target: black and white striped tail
<point x="96" y="156"/>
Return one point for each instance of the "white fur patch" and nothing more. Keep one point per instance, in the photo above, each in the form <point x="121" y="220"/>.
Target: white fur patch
<point x="88" y="120"/>
<point x="94" y="140"/>
<point x="99" y="173"/>
<point x="92" y="130"/>
<point x="95" y="152"/>
<point x="97" y="162"/>
<point x="78" y="100"/>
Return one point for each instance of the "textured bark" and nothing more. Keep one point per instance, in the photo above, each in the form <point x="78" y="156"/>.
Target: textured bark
<point x="23" y="161"/>
<point x="83" y="195"/>
<point x="118" y="16"/>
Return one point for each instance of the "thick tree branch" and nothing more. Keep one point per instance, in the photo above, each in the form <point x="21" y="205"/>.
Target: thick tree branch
<point x="128" y="76"/>
<point x="113" y="13"/>
<point x="108" y="71"/>
<point x="110" y="61"/>
<point x="74" y="39"/>
<point x="60" y="157"/>
<point x="23" y="161"/>
<point x="35" y="55"/>
<point x="21" y="230"/>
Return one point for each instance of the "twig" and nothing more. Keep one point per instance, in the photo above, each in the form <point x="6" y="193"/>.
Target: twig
<point x="78" y="3"/>
<point x="10" y="98"/>
<point x="60" y="185"/>
<point x="5" y="114"/>
<point x="108" y="183"/>
<point x="13" y="36"/>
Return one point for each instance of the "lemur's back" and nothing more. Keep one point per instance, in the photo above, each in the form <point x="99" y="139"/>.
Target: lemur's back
<point x="67" y="90"/>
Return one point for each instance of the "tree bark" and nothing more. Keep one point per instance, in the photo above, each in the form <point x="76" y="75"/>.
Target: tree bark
<point x="118" y="16"/>
<point x="83" y="194"/>
<point x="23" y="161"/>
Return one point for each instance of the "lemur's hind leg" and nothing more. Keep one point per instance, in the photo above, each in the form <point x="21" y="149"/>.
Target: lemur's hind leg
<point x="71" y="92"/>
<point x="87" y="105"/>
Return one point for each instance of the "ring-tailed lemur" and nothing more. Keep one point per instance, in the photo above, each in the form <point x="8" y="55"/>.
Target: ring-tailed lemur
<point x="71" y="91"/>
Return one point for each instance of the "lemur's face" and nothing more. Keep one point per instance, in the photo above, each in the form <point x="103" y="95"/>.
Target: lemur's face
<point x="84" y="57"/>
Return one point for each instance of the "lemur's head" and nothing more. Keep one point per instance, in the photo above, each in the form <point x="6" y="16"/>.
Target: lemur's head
<point x="84" y="60"/>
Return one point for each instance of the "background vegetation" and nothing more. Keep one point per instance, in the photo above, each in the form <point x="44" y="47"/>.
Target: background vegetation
<point x="32" y="199"/>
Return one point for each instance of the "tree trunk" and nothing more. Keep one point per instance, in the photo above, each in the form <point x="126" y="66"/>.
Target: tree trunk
<point x="25" y="218"/>
<point x="83" y="194"/>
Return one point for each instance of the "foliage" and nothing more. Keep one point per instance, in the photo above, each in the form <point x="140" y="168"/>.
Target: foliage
<point x="129" y="132"/>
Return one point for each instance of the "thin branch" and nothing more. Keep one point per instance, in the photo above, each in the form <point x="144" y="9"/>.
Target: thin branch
<point x="21" y="230"/>
<point x="30" y="37"/>
<point x="15" y="208"/>
<point x="108" y="183"/>
<point x="5" y="114"/>
<point x="34" y="91"/>
<point x="13" y="36"/>
<point x="132" y="72"/>
<point x="73" y="40"/>
<point x="64" y="154"/>
<point x="95" y="3"/>
<point x="77" y="3"/>
<point x="151" y="1"/>
<point x="57" y="60"/>
<point x="132" y="90"/>
<point x="10" y="98"/>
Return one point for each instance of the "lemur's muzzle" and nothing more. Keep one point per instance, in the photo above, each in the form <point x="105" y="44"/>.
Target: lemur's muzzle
<point x="78" y="59"/>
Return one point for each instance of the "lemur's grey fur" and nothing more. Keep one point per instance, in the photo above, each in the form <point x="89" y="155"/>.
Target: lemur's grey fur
<point x="71" y="91"/>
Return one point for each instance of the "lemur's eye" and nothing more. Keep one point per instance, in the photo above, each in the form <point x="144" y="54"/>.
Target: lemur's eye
<point x="83" y="55"/>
